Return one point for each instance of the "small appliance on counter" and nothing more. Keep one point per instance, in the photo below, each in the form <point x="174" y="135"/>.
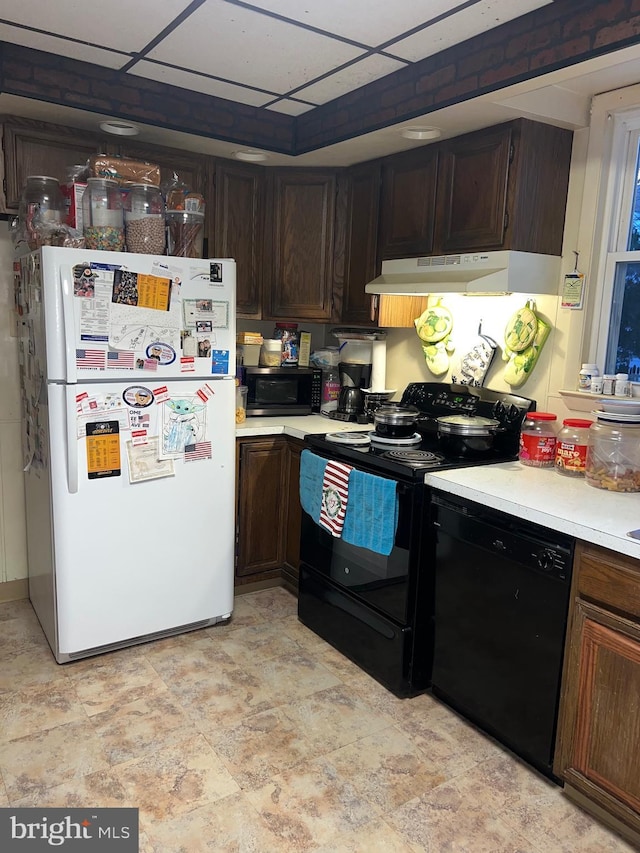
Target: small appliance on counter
<point x="356" y="370"/>
<point x="276" y="391"/>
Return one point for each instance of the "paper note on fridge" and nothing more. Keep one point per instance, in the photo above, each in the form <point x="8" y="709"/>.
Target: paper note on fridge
<point x="144" y="463"/>
<point x="133" y="328"/>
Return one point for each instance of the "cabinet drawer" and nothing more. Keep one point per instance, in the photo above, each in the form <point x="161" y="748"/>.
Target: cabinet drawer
<point x="609" y="579"/>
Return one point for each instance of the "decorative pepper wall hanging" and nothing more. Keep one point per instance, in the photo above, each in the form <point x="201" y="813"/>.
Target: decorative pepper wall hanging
<point x="434" y="328"/>
<point x="524" y="337"/>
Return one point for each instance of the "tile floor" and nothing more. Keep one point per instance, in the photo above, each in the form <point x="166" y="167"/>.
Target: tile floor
<point x="257" y="736"/>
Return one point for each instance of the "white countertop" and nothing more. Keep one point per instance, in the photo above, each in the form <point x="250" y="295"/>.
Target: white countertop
<point x="540" y="495"/>
<point x="545" y="497"/>
<point x="294" y="426"/>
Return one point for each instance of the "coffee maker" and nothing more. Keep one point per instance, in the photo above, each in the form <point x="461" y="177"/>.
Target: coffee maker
<point x="354" y="371"/>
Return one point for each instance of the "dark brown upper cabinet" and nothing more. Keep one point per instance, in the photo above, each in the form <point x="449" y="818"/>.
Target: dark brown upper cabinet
<point x="407" y="208"/>
<point x="299" y="244"/>
<point x="504" y="188"/>
<point x="361" y="265"/>
<point x="472" y="191"/>
<point x="238" y="219"/>
<point x="38" y="148"/>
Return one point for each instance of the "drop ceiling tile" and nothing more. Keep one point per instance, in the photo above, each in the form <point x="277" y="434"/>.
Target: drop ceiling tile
<point x="369" y="22"/>
<point x="359" y="74"/>
<point x="62" y="47"/>
<point x="462" y="26"/>
<point x="198" y="83"/>
<point x="118" y="24"/>
<point x="289" y="107"/>
<point x="250" y="48"/>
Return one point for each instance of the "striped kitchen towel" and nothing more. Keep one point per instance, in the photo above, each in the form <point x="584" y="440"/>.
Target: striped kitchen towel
<point x="335" y="496"/>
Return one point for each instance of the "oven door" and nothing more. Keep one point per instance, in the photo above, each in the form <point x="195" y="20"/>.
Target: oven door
<point x="378" y="581"/>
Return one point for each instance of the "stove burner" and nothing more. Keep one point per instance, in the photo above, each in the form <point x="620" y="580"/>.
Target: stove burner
<point x="407" y="441"/>
<point x="414" y="457"/>
<point x="350" y="438"/>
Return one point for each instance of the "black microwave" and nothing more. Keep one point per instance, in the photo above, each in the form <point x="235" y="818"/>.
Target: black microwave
<point x="283" y="390"/>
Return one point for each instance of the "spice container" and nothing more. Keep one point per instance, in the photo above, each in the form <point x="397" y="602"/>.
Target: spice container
<point x="571" y="447"/>
<point x="103" y="222"/>
<point x="538" y="440"/>
<point x="185" y="233"/>
<point x="271" y="353"/>
<point x="613" y="456"/>
<point x="287" y="333"/>
<point x="144" y="220"/>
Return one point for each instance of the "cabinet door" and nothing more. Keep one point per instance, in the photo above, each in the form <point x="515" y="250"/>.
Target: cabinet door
<point x="408" y="204"/>
<point x="238" y="230"/>
<point x="472" y="191"/>
<point x="302" y="214"/>
<point x="361" y="266"/>
<point x="37" y="148"/>
<point x="261" y="493"/>
<point x="604" y="756"/>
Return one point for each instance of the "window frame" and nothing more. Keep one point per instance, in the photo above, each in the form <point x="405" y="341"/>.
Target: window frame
<point x="617" y="191"/>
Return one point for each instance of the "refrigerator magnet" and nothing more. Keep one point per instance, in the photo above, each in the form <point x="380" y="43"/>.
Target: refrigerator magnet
<point x="162" y="353"/>
<point x="188" y="364"/>
<point x="103" y="450"/>
<point x="220" y="361"/>
<point x="137" y="396"/>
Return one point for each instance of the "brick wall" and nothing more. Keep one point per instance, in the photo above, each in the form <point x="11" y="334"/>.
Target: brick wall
<point x="560" y="34"/>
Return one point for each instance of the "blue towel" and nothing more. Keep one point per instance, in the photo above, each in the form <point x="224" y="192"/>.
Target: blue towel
<point x="311" y="478"/>
<point x="372" y="512"/>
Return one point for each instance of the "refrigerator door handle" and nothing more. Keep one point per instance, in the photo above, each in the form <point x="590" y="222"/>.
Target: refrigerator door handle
<point x="72" y="440"/>
<point x="66" y="285"/>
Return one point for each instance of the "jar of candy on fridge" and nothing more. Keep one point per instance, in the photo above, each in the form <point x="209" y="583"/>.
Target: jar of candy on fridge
<point x="144" y="220"/>
<point x="103" y="220"/>
<point x="41" y="208"/>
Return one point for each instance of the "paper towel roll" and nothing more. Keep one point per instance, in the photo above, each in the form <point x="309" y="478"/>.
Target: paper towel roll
<point x="379" y="366"/>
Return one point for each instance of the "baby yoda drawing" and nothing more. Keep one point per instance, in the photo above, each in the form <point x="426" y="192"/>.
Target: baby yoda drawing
<point x="183" y="426"/>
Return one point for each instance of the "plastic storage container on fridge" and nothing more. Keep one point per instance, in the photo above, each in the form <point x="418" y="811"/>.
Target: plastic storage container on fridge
<point x="41" y="207"/>
<point x="185" y="233"/>
<point x="144" y="220"/>
<point x="102" y="216"/>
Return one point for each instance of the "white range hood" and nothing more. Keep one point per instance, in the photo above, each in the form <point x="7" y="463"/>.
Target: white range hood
<point x="473" y="273"/>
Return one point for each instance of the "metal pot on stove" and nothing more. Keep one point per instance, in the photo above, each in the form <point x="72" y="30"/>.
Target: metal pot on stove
<point x="466" y="435"/>
<point x="395" y="421"/>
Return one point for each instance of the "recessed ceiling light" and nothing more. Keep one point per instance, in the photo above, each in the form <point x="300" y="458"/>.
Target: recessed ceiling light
<point x="250" y="156"/>
<point x="119" y="128"/>
<point x="421" y="132"/>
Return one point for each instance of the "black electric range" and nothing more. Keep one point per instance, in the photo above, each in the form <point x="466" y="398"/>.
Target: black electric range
<point x="378" y="608"/>
<point x="410" y="459"/>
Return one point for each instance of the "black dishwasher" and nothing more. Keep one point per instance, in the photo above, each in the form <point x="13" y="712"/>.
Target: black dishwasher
<point x="501" y="601"/>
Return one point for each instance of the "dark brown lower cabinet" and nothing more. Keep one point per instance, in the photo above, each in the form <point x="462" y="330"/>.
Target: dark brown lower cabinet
<point x="268" y="510"/>
<point x="290" y="569"/>
<point x="599" y="734"/>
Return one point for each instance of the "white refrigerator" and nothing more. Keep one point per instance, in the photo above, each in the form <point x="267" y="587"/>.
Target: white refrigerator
<point x="127" y="367"/>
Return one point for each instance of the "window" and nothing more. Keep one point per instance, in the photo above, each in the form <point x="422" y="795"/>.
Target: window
<point x="620" y="308"/>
